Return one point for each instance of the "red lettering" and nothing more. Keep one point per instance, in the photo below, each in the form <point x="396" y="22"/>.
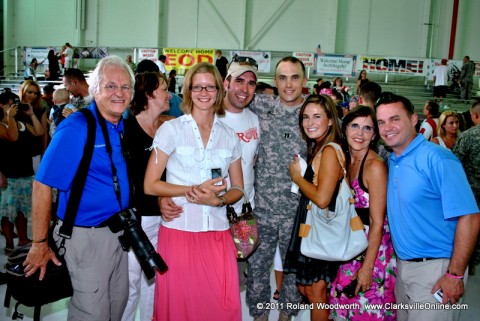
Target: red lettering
<point x="382" y="64"/>
<point x="186" y="60"/>
<point x="171" y="60"/>
<point x="248" y="135"/>
<point x="412" y="65"/>
<point x="205" y="58"/>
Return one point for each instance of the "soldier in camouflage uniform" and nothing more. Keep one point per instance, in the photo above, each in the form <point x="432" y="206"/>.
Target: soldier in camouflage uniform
<point x="75" y="82"/>
<point x="467" y="149"/>
<point x="275" y="204"/>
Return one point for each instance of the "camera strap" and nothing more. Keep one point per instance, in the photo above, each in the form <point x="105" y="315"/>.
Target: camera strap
<point x="108" y="146"/>
<point x="80" y="178"/>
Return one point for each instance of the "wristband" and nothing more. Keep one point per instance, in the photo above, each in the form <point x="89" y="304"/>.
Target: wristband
<point x="453" y="276"/>
<point x="40" y="241"/>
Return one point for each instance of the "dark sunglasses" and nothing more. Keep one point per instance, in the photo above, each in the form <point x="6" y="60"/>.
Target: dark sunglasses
<point x="389" y="98"/>
<point x="245" y="60"/>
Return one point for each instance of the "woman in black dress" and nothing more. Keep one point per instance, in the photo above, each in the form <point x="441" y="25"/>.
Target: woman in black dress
<point x="319" y="125"/>
<point x="53" y="66"/>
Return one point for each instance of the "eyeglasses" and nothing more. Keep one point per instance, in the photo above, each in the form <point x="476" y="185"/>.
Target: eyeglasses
<point x="356" y="127"/>
<point x="114" y="88"/>
<point x="209" y="88"/>
<point x="245" y="61"/>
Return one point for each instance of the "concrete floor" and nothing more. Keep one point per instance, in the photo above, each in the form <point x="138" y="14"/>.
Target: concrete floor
<point x="58" y="311"/>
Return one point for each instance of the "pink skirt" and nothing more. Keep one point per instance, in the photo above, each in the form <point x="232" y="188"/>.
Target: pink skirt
<point x="202" y="278"/>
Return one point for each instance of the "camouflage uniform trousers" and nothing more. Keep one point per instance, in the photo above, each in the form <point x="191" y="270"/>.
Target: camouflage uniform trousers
<point x="467" y="149"/>
<point x="274" y="227"/>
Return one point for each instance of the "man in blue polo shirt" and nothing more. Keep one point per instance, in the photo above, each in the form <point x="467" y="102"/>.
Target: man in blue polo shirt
<point x="94" y="256"/>
<point x="432" y="212"/>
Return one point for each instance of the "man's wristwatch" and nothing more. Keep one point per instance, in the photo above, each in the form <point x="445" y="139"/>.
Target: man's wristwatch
<point x="223" y="201"/>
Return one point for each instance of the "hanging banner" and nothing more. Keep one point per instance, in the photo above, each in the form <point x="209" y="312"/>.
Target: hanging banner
<point x="393" y="65"/>
<point x="477" y="69"/>
<point x="307" y="58"/>
<point x="147" y="53"/>
<point x="90" y="52"/>
<point x="454" y="66"/>
<point x="182" y="59"/>
<point x="335" y="65"/>
<point x="263" y="58"/>
<point x="40" y="53"/>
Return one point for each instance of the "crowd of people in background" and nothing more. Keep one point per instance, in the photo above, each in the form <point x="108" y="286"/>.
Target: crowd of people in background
<point x="416" y="186"/>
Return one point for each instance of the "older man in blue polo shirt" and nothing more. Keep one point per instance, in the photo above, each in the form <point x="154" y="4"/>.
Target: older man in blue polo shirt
<point x="94" y="256"/>
<point x="433" y="215"/>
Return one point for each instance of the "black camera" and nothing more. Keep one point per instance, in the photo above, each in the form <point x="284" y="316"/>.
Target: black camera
<point x="135" y="237"/>
<point x="350" y="288"/>
<point x="22" y="107"/>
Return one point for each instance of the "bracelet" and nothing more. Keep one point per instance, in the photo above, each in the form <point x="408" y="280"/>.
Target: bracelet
<point x="223" y="201"/>
<point x="453" y="276"/>
<point x="40" y="241"/>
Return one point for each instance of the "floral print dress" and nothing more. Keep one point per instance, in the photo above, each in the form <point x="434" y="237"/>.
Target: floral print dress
<point x="384" y="272"/>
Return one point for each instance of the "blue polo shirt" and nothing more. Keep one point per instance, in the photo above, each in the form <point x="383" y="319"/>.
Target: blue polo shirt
<point x="427" y="192"/>
<point x="62" y="157"/>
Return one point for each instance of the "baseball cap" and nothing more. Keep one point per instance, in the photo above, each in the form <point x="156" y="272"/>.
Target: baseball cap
<point x="238" y="68"/>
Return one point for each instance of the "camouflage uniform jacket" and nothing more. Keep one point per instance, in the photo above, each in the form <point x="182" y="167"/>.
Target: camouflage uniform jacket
<point x="80" y="102"/>
<point x="467" y="149"/>
<point x="281" y="139"/>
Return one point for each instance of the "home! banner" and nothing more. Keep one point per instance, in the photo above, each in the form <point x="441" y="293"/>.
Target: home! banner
<point x="394" y="65"/>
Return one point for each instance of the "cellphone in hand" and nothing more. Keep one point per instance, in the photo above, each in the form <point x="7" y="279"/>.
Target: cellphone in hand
<point x="439" y="295"/>
<point x="216" y="173"/>
<point x="349" y="289"/>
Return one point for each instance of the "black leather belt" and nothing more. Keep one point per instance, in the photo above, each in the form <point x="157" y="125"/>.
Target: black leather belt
<point x="99" y="226"/>
<point x="114" y="222"/>
<point x="103" y="224"/>
<point x="423" y="259"/>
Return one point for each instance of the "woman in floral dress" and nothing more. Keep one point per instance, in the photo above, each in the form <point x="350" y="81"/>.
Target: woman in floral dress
<point x="375" y="269"/>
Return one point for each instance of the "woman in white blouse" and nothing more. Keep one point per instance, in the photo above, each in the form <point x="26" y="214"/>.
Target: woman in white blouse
<point x="202" y="280"/>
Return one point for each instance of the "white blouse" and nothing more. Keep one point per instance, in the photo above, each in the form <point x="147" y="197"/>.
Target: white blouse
<point x="190" y="163"/>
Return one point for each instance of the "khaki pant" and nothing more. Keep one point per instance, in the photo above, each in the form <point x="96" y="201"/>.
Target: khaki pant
<point x="414" y="284"/>
<point x="99" y="272"/>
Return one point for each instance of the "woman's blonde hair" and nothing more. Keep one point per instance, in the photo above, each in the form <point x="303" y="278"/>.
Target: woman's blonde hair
<point x="22" y="91"/>
<point x="443" y="119"/>
<point x="203" y="67"/>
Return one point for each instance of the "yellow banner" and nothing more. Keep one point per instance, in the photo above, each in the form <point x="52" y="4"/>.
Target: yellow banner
<point x="181" y="59"/>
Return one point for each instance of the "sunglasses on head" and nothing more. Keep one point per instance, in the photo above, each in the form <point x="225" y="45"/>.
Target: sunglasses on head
<point x="389" y="98"/>
<point x="245" y="60"/>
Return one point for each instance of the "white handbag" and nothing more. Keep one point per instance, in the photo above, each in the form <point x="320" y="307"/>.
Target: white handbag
<point x="335" y="236"/>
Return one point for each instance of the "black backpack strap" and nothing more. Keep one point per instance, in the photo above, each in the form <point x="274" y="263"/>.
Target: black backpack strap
<point x="80" y="177"/>
<point x="36" y="313"/>
<point x="8" y="296"/>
